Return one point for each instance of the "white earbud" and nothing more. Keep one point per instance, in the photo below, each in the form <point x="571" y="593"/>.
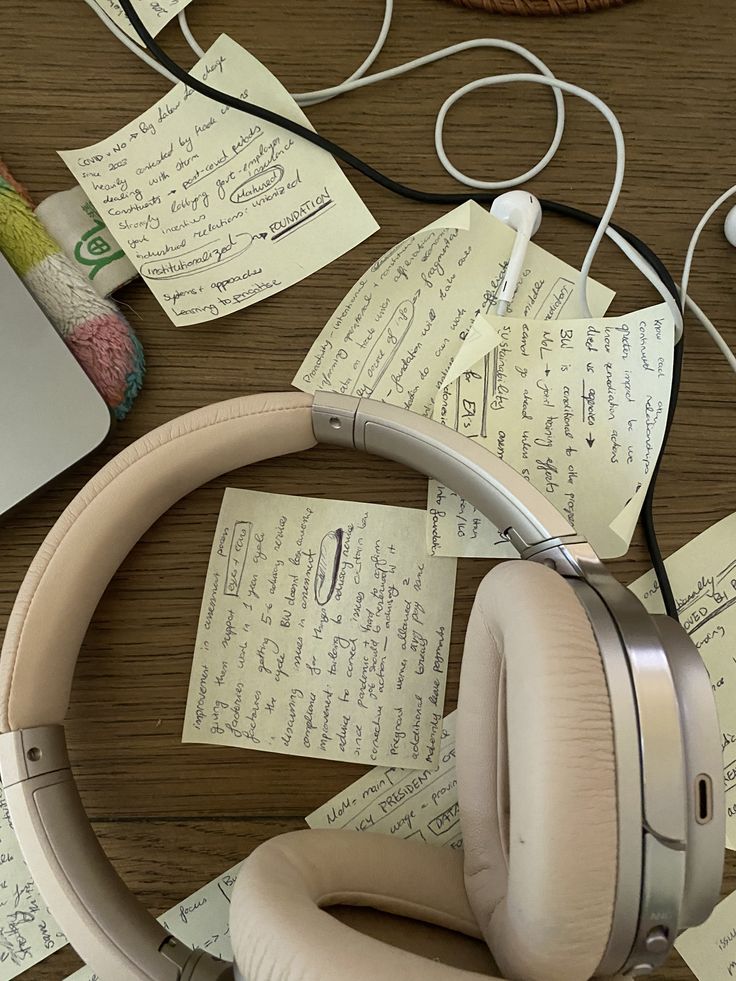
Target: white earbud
<point x="729" y="226"/>
<point x="522" y="212"/>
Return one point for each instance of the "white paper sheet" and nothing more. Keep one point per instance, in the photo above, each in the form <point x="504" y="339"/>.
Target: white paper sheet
<point x="324" y="632"/>
<point x="217" y="210"/>
<point x="399" y="329"/>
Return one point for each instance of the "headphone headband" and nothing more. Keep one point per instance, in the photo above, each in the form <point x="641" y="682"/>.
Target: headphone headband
<point x="110" y="514"/>
<point x="79" y="558"/>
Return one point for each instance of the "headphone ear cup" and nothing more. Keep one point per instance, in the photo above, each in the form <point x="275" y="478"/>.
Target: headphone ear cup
<point x="280" y="930"/>
<point x="541" y="841"/>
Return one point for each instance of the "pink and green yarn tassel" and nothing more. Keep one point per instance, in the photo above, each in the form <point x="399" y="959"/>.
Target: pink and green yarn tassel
<point x="93" y="328"/>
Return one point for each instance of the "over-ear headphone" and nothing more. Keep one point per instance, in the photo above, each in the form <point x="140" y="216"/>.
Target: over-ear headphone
<point x="588" y="750"/>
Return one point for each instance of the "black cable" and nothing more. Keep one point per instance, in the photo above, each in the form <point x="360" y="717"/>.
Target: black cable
<point x="447" y="198"/>
<point x="647" y="514"/>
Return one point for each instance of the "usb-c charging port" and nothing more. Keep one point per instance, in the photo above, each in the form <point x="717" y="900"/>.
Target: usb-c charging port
<point x="703" y="798"/>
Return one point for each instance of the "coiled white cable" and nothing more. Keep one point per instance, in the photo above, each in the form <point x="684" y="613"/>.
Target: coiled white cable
<point x="322" y="95"/>
<point x="309" y="98"/>
<point x="358" y="80"/>
<point x="313" y="98"/>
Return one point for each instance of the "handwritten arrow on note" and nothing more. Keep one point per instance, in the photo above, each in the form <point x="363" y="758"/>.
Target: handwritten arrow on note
<point x="547" y="370"/>
<point x="590" y="439"/>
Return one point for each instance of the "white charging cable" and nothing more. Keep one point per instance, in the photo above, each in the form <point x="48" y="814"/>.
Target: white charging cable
<point x="310" y="98"/>
<point x="191" y="39"/>
<point x="546" y="77"/>
<point x="323" y="95"/>
<point x="687" y="269"/>
<point x="129" y="43"/>
<point x="359" y="80"/>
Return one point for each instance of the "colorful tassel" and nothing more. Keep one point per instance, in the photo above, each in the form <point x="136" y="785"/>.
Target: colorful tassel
<point x="95" y="331"/>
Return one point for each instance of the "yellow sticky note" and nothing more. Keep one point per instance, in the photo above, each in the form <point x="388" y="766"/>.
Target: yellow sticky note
<point x="578" y="407"/>
<point x="216" y="209"/>
<point x="710" y="949"/>
<point x="481" y="339"/>
<point x="703" y="578"/>
<point x="29" y="933"/>
<point x="324" y="632"/>
<point x="155" y="14"/>
<point x="401" y="327"/>
<point x="414" y="804"/>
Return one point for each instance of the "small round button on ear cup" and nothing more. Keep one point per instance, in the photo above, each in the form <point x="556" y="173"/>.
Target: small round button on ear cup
<point x="658" y="940"/>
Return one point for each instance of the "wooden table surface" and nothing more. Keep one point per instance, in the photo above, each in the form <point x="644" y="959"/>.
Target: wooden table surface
<point x="172" y="816"/>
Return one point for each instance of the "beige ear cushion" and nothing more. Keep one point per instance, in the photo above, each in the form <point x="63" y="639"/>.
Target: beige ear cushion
<point x="540" y="866"/>
<point x="280" y="930"/>
<point x="104" y="521"/>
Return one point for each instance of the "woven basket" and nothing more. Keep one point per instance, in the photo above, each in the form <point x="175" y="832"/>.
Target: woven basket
<point x="540" y="7"/>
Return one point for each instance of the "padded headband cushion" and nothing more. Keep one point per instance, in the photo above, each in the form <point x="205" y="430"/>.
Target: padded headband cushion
<point x="540" y="845"/>
<point x="280" y="930"/>
<point x="104" y="521"/>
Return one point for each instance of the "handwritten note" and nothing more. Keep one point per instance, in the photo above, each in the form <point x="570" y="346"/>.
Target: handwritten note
<point x="710" y="949"/>
<point x="216" y="209"/>
<point x="155" y="14"/>
<point x="703" y="578"/>
<point x="409" y="803"/>
<point x="578" y="407"/>
<point x="28" y="933"/>
<point x="324" y="632"/>
<point x="201" y="920"/>
<point x="396" y="333"/>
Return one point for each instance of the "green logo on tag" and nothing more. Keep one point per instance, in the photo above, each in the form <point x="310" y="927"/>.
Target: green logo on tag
<point x="93" y="249"/>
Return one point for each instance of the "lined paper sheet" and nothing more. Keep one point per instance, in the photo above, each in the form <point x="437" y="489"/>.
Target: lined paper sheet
<point x="578" y="407"/>
<point x="216" y="209"/>
<point x="324" y="632"/>
<point x="396" y="333"/>
<point x="409" y="803"/>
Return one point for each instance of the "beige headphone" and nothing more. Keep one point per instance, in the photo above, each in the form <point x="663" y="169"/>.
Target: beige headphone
<point x="588" y="752"/>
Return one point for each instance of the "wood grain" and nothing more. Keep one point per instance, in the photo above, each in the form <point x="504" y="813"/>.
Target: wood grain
<point x="172" y="816"/>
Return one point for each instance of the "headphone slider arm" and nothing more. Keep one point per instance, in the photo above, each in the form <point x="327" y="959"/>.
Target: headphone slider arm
<point x="32" y="752"/>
